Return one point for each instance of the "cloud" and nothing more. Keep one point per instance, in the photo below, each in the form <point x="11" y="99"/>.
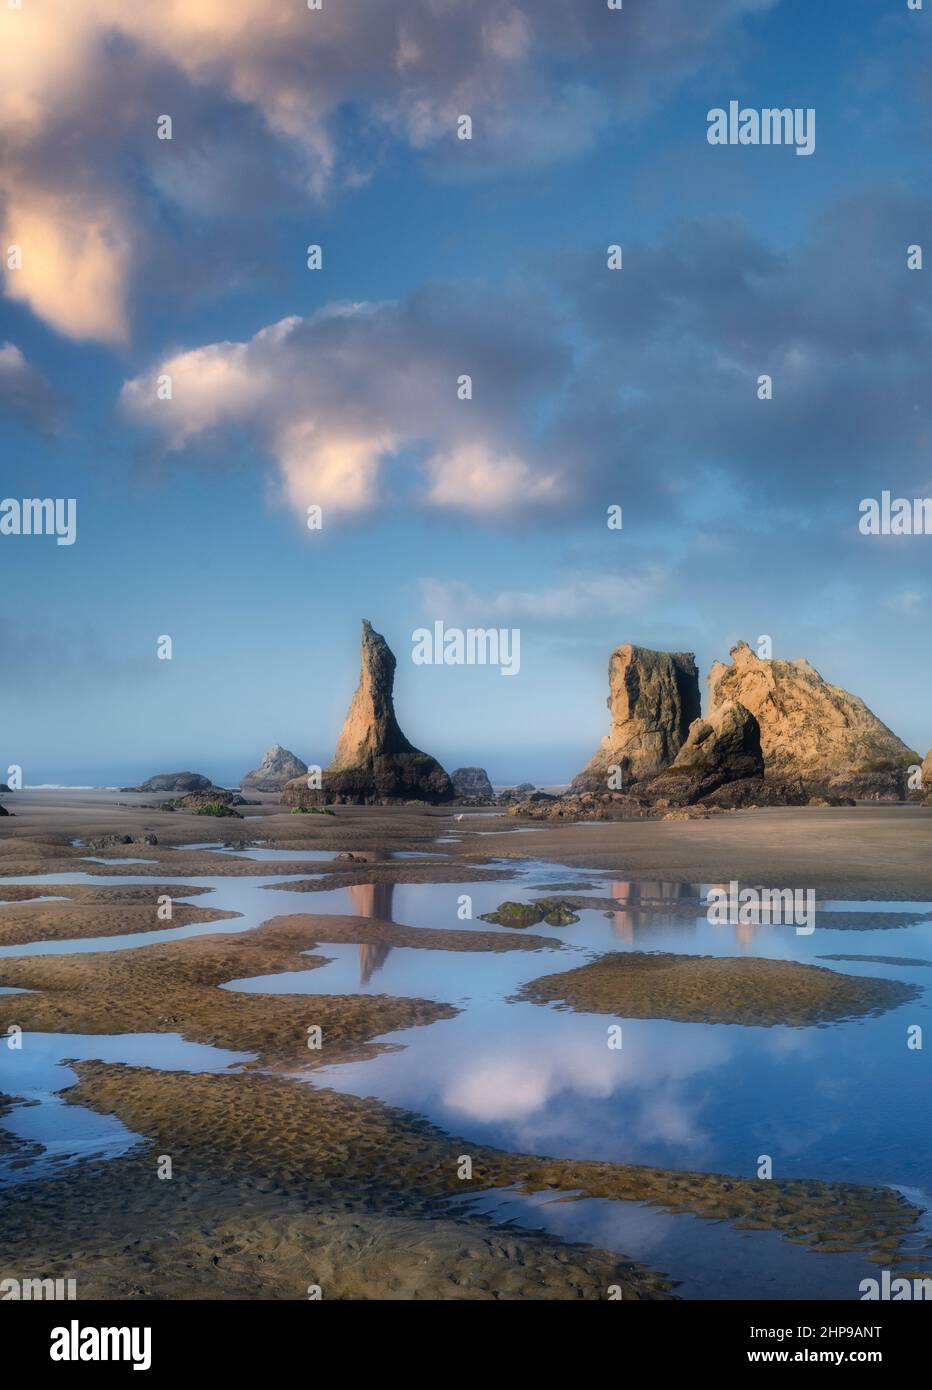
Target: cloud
<point x="340" y="398"/>
<point x="24" y="392"/>
<point x="290" y="98"/>
<point x="838" y="321"/>
<point x="605" y="595"/>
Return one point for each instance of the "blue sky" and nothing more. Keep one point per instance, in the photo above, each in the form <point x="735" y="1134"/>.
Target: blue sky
<point x="488" y="257"/>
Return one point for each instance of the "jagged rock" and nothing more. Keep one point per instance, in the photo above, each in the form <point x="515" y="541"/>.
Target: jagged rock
<point x="753" y="792"/>
<point x="115" y="840"/>
<point x="212" y="796"/>
<point x="927" y="779"/>
<point x="556" y="912"/>
<point x="653" y="698"/>
<point x="374" y="762"/>
<point x="510" y="795"/>
<point x="721" y="748"/>
<point x="582" y="806"/>
<point x="811" y="729"/>
<point x="278" y="766"/>
<point x="472" y="782"/>
<point x="173" y="782"/>
<point x="4" y="811"/>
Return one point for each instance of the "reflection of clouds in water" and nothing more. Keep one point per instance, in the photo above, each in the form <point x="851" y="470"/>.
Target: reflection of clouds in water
<point x="517" y="1080"/>
<point x="787" y="1042"/>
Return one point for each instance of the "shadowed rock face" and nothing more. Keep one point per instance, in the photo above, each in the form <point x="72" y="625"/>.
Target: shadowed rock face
<point x="374" y="762"/>
<point x="653" y="698"/>
<point x="721" y="748"/>
<point x="277" y="767"/>
<point x="811" y="729"/>
<point x="472" y="781"/>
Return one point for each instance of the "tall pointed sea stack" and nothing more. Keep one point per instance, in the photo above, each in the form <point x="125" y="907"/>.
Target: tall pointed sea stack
<point x="653" y="697"/>
<point x="374" y="762"/>
<point x="811" y="729"/>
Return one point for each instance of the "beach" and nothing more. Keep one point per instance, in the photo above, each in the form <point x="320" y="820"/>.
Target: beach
<point x="326" y="1070"/>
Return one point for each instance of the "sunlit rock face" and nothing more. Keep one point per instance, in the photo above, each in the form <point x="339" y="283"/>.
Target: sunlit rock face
<point x="374" y="762"/>
<point x="811" y="729"/>
<point x="277" y="767"/>
<point x="653" y="697"/>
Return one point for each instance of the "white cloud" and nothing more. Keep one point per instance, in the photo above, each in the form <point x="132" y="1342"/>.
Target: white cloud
<point x="336" y="398"/>
<point x="588" y="596"/>
<point x="82" y="85"/>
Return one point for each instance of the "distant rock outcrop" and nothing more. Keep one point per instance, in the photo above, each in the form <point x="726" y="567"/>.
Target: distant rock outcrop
<point x="721" y="748"/>
<point x="653" y="699"/>
<point x="472" y="782"/>
<point x="277" y="767"/>
<point x="927" y="778"/>
<point x="174" y="782"/>
<point x="811" y="729"/>
<point x="374" y="762"/>
<point x="212" y="796"/>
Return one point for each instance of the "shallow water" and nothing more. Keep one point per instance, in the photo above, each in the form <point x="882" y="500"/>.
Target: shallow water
<point x="712" y="1259"/>
<point x="847" y="1101"/>
<point x="36" y="1074"/>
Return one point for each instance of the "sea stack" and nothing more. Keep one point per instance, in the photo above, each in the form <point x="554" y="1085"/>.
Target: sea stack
<point x="277" y="767"/>
<point x="374" y="762"/>
<point x="175" y="782"/>
<point x="723" y="747"/>
<point x="811" y="729"/>
<point x="469" y="782"/>
<point x="653" y="697"/>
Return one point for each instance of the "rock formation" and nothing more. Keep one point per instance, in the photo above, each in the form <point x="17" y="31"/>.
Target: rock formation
<point x="653" y="698"/>
<point x="213" y="796"/>
<point x="277" y="767"/>
<point x="374" y="762"/>
<point x="927" y="778"/>
<point x="721" y="748"/>
<point x="472" y="782"/>
<point x="174" y="782"/>
<point x="811" y="729"/>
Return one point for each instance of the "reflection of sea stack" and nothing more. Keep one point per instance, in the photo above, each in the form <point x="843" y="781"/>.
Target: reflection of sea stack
<point x="372" y="900"/>
<point x="653" y="697"/>
<point x="374" y="762"/>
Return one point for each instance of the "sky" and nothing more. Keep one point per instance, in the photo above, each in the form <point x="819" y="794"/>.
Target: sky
<point x="130" y="261"/>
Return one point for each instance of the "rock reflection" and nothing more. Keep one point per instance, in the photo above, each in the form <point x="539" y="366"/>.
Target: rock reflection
<point x="372" y="900"/>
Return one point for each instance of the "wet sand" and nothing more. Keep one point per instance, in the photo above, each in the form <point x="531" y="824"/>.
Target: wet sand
<point x="716" y="989"/>
<point x="277" y="1184"/>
